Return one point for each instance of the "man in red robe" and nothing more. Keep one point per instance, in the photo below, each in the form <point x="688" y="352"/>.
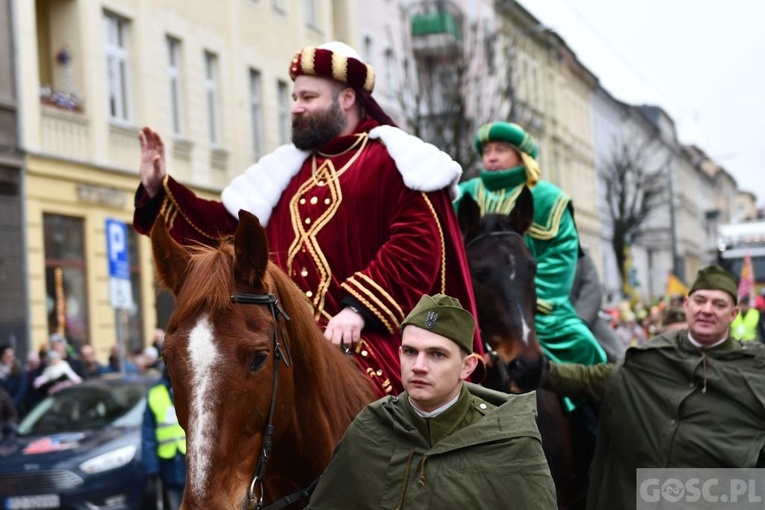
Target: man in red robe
<point x="356" y="211"/>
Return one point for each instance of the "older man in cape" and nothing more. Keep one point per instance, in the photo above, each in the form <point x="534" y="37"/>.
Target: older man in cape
<point x="690" y="398"/>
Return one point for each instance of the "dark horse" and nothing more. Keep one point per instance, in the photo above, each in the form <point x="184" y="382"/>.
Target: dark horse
<point x="255" y="432"/>
<point x="503" y="271"/>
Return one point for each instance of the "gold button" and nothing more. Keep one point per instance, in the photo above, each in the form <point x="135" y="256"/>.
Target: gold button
<point x="302" y="201"/>
<point x="327" y="201"/>
<point x="379" y="373"/>
<point x="304" y="272"/>
<point x="309" y="293"/>
<point x="364" y="353"/>
<point x="314" y="200"/>
<point x="308" y="221"/>
<point x="320" y="183"/>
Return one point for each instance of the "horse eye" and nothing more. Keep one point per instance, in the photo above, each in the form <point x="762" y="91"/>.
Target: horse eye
<point x="258" y="361"/>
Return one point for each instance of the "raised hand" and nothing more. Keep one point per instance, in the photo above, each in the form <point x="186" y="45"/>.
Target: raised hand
<point x="153" y="162"/>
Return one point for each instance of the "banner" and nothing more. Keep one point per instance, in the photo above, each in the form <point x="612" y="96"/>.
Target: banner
<point x="675" y="286"/>
<point x="746" y="281"/>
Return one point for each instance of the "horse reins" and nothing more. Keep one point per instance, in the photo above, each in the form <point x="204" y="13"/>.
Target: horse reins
<point x="276" y="312"/>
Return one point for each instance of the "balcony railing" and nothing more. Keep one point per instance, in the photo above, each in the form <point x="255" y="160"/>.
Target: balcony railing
<point x="437" y="28"/>
<point x="64" y="133"/>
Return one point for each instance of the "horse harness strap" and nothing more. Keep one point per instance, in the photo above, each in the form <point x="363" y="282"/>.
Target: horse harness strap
<point x="268" y="432"/>
<point x="501" y="233"/>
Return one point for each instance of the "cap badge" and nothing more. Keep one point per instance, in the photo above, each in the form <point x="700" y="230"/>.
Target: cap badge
<point x="430" y="320"/>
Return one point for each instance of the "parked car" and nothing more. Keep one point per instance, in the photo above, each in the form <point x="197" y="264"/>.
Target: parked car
<point x="80" y="449"/>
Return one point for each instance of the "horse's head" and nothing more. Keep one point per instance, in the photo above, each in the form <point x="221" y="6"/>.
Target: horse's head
<point x="503" y="271"/>
<point x="222" y="355"/>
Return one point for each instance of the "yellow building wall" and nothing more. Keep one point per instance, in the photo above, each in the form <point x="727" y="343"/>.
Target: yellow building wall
<point x="68" y="149"/>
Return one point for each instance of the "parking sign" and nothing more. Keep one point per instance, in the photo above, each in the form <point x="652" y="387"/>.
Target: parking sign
<point x="120" y="291"/>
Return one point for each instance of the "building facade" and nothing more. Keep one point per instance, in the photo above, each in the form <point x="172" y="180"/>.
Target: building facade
<point x="216" y="89"/>
<point x="14" y="311"/>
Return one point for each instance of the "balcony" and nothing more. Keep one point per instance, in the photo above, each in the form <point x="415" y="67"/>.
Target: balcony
<point x="65" y="133"/>
<point x="436" y="29"/>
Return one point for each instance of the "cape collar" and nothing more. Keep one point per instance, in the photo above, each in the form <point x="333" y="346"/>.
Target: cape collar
<point x="422" y="166"/>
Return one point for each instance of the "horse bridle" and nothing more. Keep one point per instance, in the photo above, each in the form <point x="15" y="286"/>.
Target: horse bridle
<point x="500" y="233"/>
<point x="268" y="431"/>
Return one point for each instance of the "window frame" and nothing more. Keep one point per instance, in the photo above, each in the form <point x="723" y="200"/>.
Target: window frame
<point x="117" y="52"/>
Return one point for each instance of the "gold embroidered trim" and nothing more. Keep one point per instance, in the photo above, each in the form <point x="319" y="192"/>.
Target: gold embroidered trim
<point x="443" y="243"/>
<point x="369" y="307"/>
<point x="544" y="306"/>
<point x="170" y="216"/>
<point x="550" y="230"/>
<point x="383" y="292"/>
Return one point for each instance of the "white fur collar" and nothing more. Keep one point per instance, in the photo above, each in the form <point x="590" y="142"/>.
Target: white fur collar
<point x="423" y="168"/>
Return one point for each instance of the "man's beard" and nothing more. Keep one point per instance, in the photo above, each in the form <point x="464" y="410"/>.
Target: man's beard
<point x="311" y="131"/>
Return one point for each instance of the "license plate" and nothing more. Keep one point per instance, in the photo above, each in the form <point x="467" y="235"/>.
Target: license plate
<point x="33" y="502"/>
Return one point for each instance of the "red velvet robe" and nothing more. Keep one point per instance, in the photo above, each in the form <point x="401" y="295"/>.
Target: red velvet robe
<point x="355" y="232"/>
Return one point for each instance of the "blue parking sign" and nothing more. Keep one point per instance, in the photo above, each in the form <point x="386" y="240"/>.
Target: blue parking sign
<point x="120" y="291"/>
<point x="117" y="248"/>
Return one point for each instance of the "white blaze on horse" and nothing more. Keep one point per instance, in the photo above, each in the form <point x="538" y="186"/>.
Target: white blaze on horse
<point x="261" y="394"/>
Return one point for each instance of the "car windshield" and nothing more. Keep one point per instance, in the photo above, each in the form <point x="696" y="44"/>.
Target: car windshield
<point x="85" y="407"/>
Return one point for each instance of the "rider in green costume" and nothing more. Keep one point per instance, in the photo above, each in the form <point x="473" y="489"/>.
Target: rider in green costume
<point x="509" y="154"/>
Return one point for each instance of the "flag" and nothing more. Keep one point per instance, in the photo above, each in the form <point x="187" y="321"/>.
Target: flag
<point x="746" y="281"/>
<point x="675" y="286"/>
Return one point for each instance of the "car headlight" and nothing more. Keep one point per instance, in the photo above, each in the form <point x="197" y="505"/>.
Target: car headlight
<point x="112" y="460"/>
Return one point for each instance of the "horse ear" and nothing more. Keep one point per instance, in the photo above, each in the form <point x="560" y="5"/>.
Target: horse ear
<point x="522" y="215"/>
<point x="469" y="216"/>
<point x="251" y="248"/>
<point x="170" y="258"/>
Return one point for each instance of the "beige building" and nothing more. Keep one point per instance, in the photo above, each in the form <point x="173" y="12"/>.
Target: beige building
<point x="550" y="95"/>
<point x="746" y="206"/>
<point x="211" y="78"/>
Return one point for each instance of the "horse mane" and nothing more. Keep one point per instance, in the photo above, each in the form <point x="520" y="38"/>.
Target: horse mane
<point x="212" y="271"/>
<point x="345" y="385"/>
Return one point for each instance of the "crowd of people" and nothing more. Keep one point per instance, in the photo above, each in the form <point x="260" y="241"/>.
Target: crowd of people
<point x="399" y="301"/>
<point x="58" y="364"/>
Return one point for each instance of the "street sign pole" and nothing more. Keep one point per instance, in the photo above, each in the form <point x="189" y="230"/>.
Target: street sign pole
<point x="120" y="291"/>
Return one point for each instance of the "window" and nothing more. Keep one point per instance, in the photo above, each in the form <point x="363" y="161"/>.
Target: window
<point x="284" y="113"/>
<point x="256" y="107"/>
<point x="174" y="80"/>
<point x="65" y="277"/>
<point x="390" y="73"/>
<point x="211" y="91"/>
<point x="310" y="13"/>
<point x="116" y="48"/>
<point x="368" y="50"/>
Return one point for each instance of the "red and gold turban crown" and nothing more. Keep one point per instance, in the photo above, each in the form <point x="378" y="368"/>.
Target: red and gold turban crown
<point x="334" y="60"/>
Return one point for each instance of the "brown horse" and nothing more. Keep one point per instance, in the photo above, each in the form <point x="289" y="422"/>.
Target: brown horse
<point x="262" y="395"/>
<point x="503" y="271"/>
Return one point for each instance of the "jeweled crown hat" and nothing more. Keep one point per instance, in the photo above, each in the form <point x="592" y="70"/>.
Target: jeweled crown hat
<point x="516" y="136"/>
<point x="334" y="60"/>
<point x="444" y="316"/>
<point x="716" y="278"/>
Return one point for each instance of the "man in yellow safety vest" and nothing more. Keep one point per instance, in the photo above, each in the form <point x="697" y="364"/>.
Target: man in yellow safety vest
<point x="164" y="443"/>
<point x="744" y="326"/>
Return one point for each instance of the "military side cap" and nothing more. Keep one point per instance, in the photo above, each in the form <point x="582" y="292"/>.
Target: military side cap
<point x="506" y="132"/>
<point x="716" y="278"/>
<point x="444" y="316"/>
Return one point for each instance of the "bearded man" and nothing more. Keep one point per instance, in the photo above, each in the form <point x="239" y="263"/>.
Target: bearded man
<point x="356" y="211"/>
